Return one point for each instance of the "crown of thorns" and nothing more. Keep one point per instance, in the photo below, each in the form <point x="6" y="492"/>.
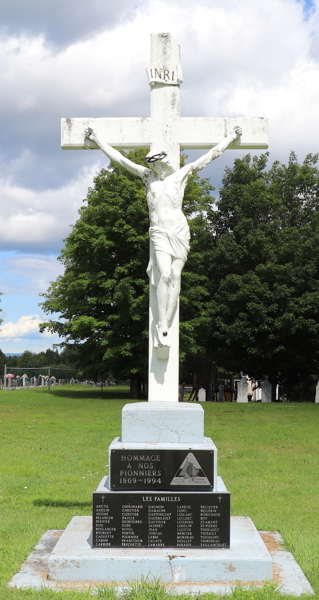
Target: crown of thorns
<point x="155" y="157"/>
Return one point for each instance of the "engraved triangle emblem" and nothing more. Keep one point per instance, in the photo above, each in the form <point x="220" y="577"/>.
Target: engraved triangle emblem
<point x="190" y="473"/>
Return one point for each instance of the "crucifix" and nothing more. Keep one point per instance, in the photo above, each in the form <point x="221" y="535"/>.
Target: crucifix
<point x="165" y="133"/>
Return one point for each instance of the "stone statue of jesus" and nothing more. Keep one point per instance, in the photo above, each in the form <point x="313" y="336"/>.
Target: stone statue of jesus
<point x="169" y="231"/>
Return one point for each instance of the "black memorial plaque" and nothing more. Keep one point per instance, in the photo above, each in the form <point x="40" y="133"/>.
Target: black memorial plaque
<point x="161" y="520"/>
<point x="162" y="470"/>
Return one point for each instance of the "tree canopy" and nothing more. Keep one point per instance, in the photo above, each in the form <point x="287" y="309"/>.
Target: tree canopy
<point x="102" y="297"/>
<point x="264" y="269"/>
<point x="250" y="287"/>
<point x="63" y="365"/>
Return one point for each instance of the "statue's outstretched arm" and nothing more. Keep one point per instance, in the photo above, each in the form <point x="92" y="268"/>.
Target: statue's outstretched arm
<point x="204" y="160"/>
<point x="115" y="155"/>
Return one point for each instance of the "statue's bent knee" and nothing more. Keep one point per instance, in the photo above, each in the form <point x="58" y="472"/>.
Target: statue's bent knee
<point x="166" y="277"/>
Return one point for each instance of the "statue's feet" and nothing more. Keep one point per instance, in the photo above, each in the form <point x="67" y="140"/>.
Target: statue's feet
<point x="163" y="336"/>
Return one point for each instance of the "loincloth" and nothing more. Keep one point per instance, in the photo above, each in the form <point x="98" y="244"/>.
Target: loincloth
<point x="174" y="242"/>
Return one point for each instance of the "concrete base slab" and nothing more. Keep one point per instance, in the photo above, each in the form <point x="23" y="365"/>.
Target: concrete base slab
<point x="286" y="573"/>
<point x="74" y="559"/>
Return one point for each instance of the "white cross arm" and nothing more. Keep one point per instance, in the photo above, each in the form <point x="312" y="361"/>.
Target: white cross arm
<point x="189" y="132"/>
<point x="123" y="132"/>
<point x="205" y="132"/>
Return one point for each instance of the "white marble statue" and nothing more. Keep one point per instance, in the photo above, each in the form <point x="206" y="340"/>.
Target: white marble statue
<point x="169" y="231"/>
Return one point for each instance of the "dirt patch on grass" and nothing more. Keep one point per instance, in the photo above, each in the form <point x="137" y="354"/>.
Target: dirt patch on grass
<point x="273" y="543"/>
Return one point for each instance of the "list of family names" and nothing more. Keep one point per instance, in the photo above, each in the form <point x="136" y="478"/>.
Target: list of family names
<point x="131" y="522"/>
<point x="152" y="520"/>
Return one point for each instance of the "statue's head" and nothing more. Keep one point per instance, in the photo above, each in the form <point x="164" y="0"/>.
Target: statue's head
<point x="159" y="162"/>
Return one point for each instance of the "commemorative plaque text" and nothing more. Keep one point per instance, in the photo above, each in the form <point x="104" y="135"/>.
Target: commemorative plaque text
<point x="161" y="520"/>
<point x="162" y="469"/>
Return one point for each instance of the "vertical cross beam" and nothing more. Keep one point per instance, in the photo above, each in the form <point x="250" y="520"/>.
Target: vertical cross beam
<point x="163" y="375"/>
<point x="165" y="97"/>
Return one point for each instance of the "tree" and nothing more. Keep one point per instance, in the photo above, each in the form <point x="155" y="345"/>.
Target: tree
<point x="264" y="269"/>
<point x="102" y="296"/>
<point x="2" y="363"/>
<point x="2" y="356"/>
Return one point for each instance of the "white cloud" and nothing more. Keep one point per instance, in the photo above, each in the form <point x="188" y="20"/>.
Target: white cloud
<point x="40" y="219"/>
<point x="292" y="113"/>
<point x="26" y="326"/>
<point x="61" y="20"/>
<point x="28" y="274"/>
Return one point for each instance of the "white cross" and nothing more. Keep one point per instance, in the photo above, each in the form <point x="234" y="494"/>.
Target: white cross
<point x="166" y="130"/>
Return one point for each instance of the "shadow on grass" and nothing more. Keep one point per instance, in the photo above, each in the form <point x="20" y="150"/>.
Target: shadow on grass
<point x="61" y="503"/>
<point x="95" y="394"/>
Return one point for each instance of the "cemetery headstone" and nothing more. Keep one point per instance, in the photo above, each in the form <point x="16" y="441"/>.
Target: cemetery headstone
<point x="242" y="389"/>
<point x="317" y="393"/>
<point x="201" y="395"/>
<point x="221" y="392"/>
<point x="266" y="391"/>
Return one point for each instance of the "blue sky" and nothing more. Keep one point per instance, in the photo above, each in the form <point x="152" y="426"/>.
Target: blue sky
<point x="60" y="58"/>
<point x="309" y="7"/>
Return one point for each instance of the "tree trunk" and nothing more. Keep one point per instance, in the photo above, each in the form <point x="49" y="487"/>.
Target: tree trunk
<point x="135" y="387"/>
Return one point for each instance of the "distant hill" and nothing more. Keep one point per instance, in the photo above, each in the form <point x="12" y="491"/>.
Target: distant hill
<point x="13" y="353"/>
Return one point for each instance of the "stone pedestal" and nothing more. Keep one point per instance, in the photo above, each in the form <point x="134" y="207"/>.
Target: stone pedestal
<point x="162" y="488"/>
<point x="160" y="422"/>
<point x="163" y="511"/>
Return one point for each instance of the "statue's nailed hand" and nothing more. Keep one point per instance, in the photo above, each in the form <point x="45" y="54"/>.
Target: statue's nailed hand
<point x="234" y="134"/>
<point x="238" y="131"/>
<point x="89" y="134"/>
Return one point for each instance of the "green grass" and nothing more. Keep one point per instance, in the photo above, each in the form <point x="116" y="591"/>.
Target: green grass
<point x="53" y="453"/>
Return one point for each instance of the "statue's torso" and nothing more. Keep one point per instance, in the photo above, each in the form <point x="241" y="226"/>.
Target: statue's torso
<point x="165" y="199"/>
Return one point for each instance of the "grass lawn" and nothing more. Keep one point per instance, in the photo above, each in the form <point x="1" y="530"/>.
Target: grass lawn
<point x="53" y="453"/>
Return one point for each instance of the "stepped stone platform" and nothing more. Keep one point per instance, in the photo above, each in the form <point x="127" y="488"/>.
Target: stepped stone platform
<point x="39" y="568"/>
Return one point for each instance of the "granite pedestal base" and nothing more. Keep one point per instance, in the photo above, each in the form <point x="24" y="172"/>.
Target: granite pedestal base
<point x="161" y="519"/>
<point x="173" y="536"/>
<point x="74" y="559"/>
<point x="161" y="460"/>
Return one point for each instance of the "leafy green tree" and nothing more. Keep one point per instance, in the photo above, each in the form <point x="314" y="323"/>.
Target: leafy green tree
<point x="2" y="363"/>
<point x="103" y="295"/>
<point x="28" y="359"/>
<point x="31" y="362"/>
<point x="2" y="356"/>
<point x="264" y="269"/>
<point x="1" y="320"/>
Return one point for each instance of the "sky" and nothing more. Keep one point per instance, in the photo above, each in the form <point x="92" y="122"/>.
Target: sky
<point x="61" y="58"/>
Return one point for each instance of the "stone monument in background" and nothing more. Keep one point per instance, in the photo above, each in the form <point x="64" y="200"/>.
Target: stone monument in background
<point x="242" y="389"/>
<point x="162" y="511"/>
